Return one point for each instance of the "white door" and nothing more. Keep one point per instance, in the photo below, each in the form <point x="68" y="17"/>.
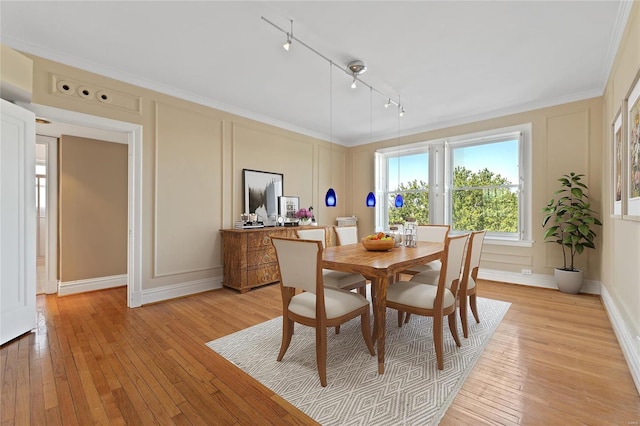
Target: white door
<point x="17" y="222"/>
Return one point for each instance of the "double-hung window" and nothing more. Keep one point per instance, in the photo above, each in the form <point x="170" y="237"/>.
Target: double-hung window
<point x="471" y="182"/>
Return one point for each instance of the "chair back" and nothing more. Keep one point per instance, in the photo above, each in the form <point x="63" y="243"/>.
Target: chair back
<point x="316" y="234"/>
<point x="299" y="263"/>
<point x="346" y="235"/>
<point x="432" y="233"/>
<point x="452" y="262"/>
<point x="472" y="261"/>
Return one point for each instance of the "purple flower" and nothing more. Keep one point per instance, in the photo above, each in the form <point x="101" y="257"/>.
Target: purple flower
<point x="303" y="214"/>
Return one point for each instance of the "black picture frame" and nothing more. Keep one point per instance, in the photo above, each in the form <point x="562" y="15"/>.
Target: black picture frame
<point x="261" y="192"/>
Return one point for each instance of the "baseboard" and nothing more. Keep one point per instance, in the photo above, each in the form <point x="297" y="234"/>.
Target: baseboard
<point x="626" y="339"/>
<point x="180" y="290"/>
<point x="534" y="280"/>
<point x="91" y="284"/>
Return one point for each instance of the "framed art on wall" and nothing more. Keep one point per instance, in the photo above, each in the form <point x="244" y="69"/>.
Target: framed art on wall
<point x="633" y="151"/>
<point x="261" y="192"/>
<point x="617" y="173"/>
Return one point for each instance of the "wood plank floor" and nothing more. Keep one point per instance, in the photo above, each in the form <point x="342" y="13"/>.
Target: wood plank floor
<point x="553" y="360"/>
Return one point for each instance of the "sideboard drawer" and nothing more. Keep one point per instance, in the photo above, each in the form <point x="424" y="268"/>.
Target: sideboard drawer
<point x="263" y="275"/>
<point x="261" y="257"/>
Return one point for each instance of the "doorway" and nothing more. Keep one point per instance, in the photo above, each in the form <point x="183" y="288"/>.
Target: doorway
<point x="97" y="127"/>
<point x="46" y="214"/>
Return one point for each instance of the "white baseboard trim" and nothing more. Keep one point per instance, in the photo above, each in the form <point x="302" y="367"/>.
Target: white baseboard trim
<point x="179" y="290"/>
<point x="630" y="348"/>
<point x="91" y="284"/>
<point x="534" y="280"/>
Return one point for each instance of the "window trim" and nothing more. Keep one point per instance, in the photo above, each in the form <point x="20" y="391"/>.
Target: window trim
<point x="440" y="177"/>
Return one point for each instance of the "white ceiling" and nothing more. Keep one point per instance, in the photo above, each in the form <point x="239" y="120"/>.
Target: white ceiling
<point x="450" y="62"/>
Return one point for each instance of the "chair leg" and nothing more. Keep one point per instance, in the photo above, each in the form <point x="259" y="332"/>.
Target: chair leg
<point x="363" y="291"/>
<point x="407" y="317"/>
<point x="337" y="329"/>
<point x="365" y="320"/>
<point x="453" y="327"/>
<point x="400" y="318"/>
<point x="321" y="354"/>
<point x="463" y="315"/>
<point x="474" y="307"/>
<point x="287" y="332"/>
<point x="437" y="340"/>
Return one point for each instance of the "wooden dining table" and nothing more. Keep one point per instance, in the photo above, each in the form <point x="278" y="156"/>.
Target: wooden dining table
<point x="380" y="267"/>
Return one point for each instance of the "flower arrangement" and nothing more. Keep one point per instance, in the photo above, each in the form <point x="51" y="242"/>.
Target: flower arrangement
<point x="304" y="214"/>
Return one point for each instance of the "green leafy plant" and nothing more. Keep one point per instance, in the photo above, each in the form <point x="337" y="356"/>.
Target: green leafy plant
<point x="573" y="219"/>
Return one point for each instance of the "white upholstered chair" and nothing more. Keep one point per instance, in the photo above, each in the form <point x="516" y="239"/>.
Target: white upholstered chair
<point x="335" y="279"/>
<point x="318" y="306"/>
<point x="468" y="278"/>
<point x="346" y="235"/>
<point x="434" y="234"/>
<point x="469" y="285"/>
<point x="430" y="300"/>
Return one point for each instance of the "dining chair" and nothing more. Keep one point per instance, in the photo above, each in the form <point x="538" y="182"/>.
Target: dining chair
<point x="318" y="306"/>
<point x="335" y="279"/>
<point x="433" y="234"/>
<point x="469" y="282"/>
<point x="468" y="278"/>
<point x="433" y="301"/>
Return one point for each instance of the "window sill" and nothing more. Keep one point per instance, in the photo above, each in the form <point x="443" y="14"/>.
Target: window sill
<point x="505" y="242"/>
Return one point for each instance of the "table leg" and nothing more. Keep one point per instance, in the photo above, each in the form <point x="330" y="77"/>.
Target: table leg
<point x="380" y="316"/>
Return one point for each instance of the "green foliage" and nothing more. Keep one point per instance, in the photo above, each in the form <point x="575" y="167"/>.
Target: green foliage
<point x="572" y="219"/>
<point x="489" y="207"/>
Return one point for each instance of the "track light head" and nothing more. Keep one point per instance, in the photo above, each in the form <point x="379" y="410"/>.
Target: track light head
<point x="388" y="104"/>
<point x="353" y="84"/>
<point x="287" y="44"/>
<point x="401" y="111"/>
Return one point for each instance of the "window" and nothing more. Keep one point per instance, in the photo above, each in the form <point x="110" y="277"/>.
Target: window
<point x="472" y="182"/>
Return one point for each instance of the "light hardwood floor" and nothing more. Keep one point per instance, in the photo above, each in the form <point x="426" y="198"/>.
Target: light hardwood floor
<point x="553" y="360"/>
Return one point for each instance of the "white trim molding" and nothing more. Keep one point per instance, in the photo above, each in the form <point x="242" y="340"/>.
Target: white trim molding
<point x="91" y="284"/>
<point x="534" y="280"/>
<point x="626" y="339"/>
<point x="180" y="290"/>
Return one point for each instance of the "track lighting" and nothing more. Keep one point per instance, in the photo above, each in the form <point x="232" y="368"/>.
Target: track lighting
<point x="287" y="44"/>
<point x="356" y="68"/>
<point x="388" y="104"/>
<point x="401" y="111"/>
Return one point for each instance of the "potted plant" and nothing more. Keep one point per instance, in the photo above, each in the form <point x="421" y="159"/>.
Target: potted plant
<point x="572" y="222"/>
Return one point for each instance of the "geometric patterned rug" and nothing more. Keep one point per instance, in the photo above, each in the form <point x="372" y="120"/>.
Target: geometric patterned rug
<point x="412" y="391"/>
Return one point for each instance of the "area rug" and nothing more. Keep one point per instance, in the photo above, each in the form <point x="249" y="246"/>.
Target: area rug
<point x="412" y="391"/>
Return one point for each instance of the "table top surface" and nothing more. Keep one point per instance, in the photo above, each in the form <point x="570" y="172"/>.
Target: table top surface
<point x="355" y="258"/>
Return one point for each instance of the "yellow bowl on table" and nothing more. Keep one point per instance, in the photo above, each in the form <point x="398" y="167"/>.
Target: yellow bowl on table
<point x="378" y="245"/>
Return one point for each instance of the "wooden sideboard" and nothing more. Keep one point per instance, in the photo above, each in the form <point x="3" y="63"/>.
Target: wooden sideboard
<point x="249" y="257"/>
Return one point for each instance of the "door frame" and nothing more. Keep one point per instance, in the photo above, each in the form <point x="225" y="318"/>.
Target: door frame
<point x="51" y="250"/>
<point x="134" y="143"/>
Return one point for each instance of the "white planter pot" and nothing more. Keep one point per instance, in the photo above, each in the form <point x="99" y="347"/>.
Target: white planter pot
<point x="569" y="281"/>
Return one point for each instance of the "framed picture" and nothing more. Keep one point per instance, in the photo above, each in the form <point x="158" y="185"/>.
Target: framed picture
<point x="261" y="192"/>
<point x="617" y="173"/>
<point x="288" y="206"/>
<point x="633" y="151"/>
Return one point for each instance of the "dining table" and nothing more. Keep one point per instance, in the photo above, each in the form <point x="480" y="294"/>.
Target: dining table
<point x="380" y="267"/>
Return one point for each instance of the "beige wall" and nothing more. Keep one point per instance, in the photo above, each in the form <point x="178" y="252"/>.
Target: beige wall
<point x="193" y="158"/>
<point x="93" y="207"/>
<point x="621" y="242"/>
<point x="565" y="138"/>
